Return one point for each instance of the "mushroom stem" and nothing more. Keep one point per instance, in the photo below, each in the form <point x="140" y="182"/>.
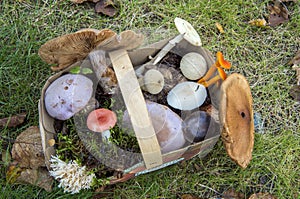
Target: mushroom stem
<point x="211" y="81"/>
<point x="209" y="73"/>
<point x="106" y="135"/>
<point x="220" y="63"/>
<point x="171" y="44"/>
<point x="221" y="75"/>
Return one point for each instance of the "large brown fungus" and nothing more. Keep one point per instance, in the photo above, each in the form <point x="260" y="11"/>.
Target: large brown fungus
<point x="236" y="117"/>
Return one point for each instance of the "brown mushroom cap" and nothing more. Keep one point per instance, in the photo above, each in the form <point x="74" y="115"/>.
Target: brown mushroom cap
<point x="236" y="117"/>
<point x="127" y="40"/>
<point x="70" y="48"/>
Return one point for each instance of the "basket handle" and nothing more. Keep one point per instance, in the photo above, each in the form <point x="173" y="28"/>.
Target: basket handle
<point x="136" y="107"/>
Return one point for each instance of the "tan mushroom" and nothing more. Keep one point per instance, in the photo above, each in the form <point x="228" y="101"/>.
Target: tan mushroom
<point x="236" y="118"/>
<point x="127" y="40"/>
<point x="70" y="48"/>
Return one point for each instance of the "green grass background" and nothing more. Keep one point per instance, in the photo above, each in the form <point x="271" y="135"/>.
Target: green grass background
<point x="261" y="54"/>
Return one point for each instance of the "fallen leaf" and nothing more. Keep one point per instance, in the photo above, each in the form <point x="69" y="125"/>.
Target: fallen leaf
<point x="295" y="92"/>
<point x="13" y="172"/>
<point x="107" y="7"/>
<point x="38" y="177"/>
<point x="231" y="193"/>
<point x="258" y="22"/>
<point x="297" y="69"/>
<point x="188" y="196"/>
<point x="27" y="149"/>
<point x="13" y="121"/>
<point x="278" y="13"/>
<point x="296" y="59"/>
<point x="262" y="196"/>
<point x="219" y="27"/>
<point x="81" y="1"/>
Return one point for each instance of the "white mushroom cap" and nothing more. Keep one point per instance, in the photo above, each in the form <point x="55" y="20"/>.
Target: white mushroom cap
<point x="153" y="81"/>
<point x="193" y="66"/>
<point x="67" y="95"/>
<point x="190" y="34"/>
<point x="187" y="96"/>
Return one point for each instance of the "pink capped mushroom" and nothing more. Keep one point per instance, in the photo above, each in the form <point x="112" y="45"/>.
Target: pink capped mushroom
<point x="101" y="120"/>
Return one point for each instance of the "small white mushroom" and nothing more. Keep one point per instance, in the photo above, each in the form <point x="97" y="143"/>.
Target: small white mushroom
<point x="153" y="81"/>
<point x="186" y="31"/>
<point x="187" y="96"/>
<point x="193" y="66"/>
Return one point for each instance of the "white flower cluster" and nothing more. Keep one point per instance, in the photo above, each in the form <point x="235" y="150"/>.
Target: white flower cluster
<point x="71" y="176"/>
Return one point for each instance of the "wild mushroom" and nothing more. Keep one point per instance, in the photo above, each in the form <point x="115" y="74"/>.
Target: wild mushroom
<point x="195" y="126"/>
<point x="187" y="96"/>
<point x="193" y="66"/>
<point x="220" y="76"/>
<point x="220" y="63"/>
<point x="67" y="95"/>
<point x="100" y="62"/>
<point x="152" y="82"/>
<point x="70" y="48"/>
<point x="167" y="126"/>
<point x="236" y="118"/>
<point x="186" y="31"/>
<point x="101" y="120"/>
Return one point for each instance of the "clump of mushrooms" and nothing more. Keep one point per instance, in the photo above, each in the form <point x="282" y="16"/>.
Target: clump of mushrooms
<point x="236" y="118"/>
<point x="101" y="120"/>
<point x="218" y="65"/>
<point x="67" y="95"/>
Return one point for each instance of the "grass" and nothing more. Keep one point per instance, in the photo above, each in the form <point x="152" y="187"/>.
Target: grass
<point x="261" y="54"/>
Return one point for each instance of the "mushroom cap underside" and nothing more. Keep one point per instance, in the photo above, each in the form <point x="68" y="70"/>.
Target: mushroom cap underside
<point x="236" y="117"/>
<point x="68" y="49"/>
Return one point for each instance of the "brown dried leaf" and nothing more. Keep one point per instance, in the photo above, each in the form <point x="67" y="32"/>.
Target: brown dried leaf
<point x="81" y="1"/>
<point x="39" y="177"/>
<point x="13" y="121"/>
<point x="220" y="27"/>
<point x="27" y="149"/>
<point x="231" y="193"/>
<point x="296" y="59"/>
<point x="107" y="7"/>
<point x="188" y="196"/>
<point x="258" y="22"/>
<point x="262" y="196"/>
<point x="295" y="92"/>
<point x="278" y="13"/>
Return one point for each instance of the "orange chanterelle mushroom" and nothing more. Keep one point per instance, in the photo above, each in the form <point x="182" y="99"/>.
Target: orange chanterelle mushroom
<point x="236" y="118"/>
<point x="218" y="65"/>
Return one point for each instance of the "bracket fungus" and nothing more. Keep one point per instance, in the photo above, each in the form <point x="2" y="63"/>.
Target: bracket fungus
<point x="193" y="66"/>
<point x="67" y="95"/>
<point x="236" y="118"/>
<point x="186" y="31"/>
<point x="187" y="96"/>
<point x="68" y="49"/>
<point x="218" y="65"/>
